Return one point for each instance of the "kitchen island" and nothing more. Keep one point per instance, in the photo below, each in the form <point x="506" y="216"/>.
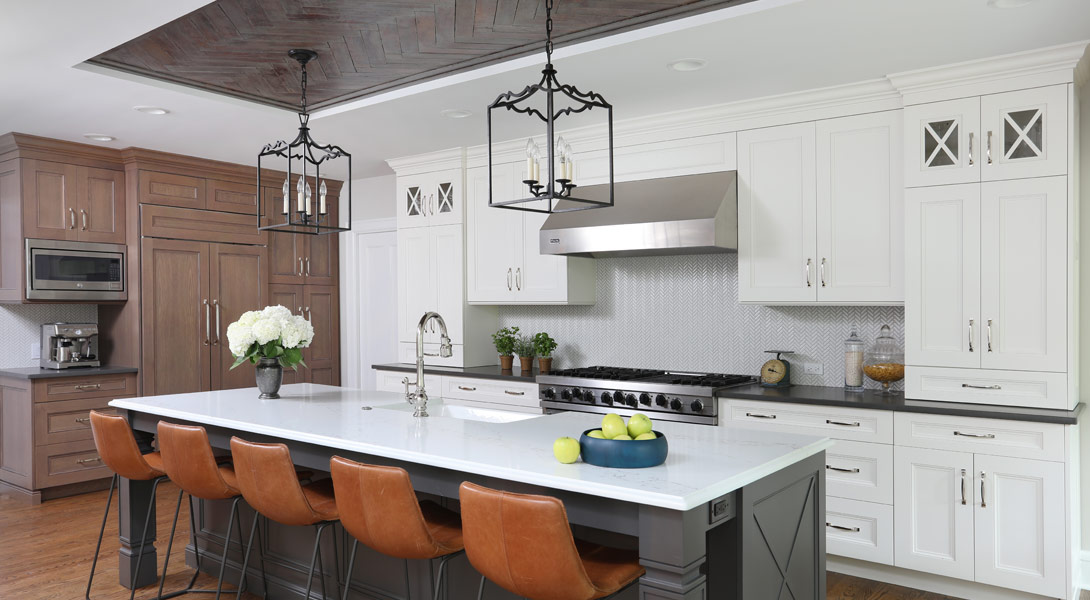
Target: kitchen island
<point x="733" y="513"/>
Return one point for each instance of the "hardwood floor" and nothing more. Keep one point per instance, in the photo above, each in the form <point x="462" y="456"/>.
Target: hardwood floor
<point x="46" y="553"/>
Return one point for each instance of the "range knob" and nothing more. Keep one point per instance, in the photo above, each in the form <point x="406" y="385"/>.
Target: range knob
<point x="549" y="393"/>
<point x="630" y="399"/>
<point x="607" y="398"/>
<point x="645" y="399"/>
<point x="697" y="406"/>
<point x="576" y="394"/>
<point x="565" y="394"/>
<point x="675" y="404"/>
<point x="660" y="400"/>
<point x="588" y="396"/>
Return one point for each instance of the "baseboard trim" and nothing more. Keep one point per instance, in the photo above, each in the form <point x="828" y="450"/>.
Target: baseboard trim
<point x="924" y="581"/>
<point x="1083" y="579"/>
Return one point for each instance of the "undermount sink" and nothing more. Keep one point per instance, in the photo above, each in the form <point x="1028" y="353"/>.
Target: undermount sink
<point x="469" y="413"/>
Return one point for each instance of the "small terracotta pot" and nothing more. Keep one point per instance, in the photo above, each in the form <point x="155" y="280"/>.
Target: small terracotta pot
<point x="527" y="363"/>
<point x="545" y="363"/>
<point x="506" y="362"/>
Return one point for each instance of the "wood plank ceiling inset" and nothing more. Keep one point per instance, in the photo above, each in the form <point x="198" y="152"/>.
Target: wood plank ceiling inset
<point x="239" y="47"/>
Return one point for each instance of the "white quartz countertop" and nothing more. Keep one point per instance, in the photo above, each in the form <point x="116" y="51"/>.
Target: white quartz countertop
<point x="704" y="463"/>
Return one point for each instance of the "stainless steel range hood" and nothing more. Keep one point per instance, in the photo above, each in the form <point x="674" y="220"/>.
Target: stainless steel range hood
<point x="689" y="214"/>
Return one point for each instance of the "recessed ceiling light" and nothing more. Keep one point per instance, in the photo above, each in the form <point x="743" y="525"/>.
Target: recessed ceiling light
<point x="99" y="137"/>
<point x="151" y="110"/>
<point x="456" y="113"/>
<point x="688" y="64"/>
<point x="1009" y="3"/>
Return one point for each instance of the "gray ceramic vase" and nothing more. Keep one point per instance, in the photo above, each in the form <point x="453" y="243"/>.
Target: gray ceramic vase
<point x="269" y="375"/>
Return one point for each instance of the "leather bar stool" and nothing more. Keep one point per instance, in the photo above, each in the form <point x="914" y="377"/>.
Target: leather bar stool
<point x="268" y="481"/>
<point x="524" y="544"/>
<point x="190" y="463"/>
<point x="118" y="450"/>
<point x="378" y="507"/>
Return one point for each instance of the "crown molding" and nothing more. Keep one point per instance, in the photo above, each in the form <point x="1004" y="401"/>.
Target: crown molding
<point x="22" y="145"/>
<point x="454" y="158"/>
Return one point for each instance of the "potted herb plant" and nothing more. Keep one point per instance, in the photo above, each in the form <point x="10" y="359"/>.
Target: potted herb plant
<point x="543" y="348"/>
<point x="504" y="341"/>
<point x="271" y="339"/>
<point x="524" y="347"/>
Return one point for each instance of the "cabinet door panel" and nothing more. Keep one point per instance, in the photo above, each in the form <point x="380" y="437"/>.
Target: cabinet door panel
<point x="101" y="205"/>
<point x="322" y="307"/>
<point x="320" y="260"/>
<point x="540" y="277"/>
<point x="290" y="297"/>
<point x="49" y="200"/>
<point x="1020" y="524"/>
<point x="942" y="276"/>
<point x="933" y="511"/>
<point x="286" y="250"/>
<point x="777" y="214"/>
<point x="411" y="202"/>
<point x="415" y="285"/>
<point x="444" y="201"/>
<point x="493" y="234"/>
<point x="238" y="284"/>
<point x="1024" y="274"/>
<point x="860" y="209"/>
<point x="171" y="190"/>
<point x="447" y="263"/>
<point x="942" y="143"/>
<point x="1025" y="133"/>
<point x="176" y="316"/>
<point x="230" y="196"/>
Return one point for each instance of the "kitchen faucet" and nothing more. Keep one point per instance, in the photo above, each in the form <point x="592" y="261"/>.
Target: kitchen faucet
<point x="418" y="398"/>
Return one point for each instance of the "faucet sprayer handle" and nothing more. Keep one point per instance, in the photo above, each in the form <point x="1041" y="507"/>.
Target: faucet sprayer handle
<point x="409" y="396"/>
<point x="445" y="350"/>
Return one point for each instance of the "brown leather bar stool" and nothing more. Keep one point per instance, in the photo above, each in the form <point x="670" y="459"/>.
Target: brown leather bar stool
<point x="524" y="544"/>
<point x="267" y="479"/>
<point x="118" y="450"/>
<point x="190" y="463"/>
<point x="378" y="507"/>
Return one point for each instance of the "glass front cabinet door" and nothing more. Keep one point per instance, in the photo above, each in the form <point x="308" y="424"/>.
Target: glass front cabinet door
<point x="942" y="143"/>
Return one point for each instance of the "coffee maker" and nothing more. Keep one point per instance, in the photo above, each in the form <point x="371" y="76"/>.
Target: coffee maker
<point x="66" y="345"/>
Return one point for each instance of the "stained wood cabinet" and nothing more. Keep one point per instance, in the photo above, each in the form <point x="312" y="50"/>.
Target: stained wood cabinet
<point x="71" y="202"/>
<point x="296" y="258"/>
<point x="188" y="191"/>
<point x="320" y="305"/>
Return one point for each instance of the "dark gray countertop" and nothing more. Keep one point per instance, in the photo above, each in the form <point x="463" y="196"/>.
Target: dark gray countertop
<point x="489" y="372"/>
<point x="39" y="373"/>
<point x="875" y="400"/>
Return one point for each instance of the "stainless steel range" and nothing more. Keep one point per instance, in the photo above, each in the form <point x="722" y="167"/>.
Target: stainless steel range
<point x="665" y="395"/>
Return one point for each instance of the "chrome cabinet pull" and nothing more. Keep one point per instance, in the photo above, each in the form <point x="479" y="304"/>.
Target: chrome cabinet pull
<point x="299" y="271"/>
<point x="971" y="135"/>
<point x="71" y="218"/>
<point x="821" y="269"/>
<point x="760" y="416"/>
<point x="983" y="503"/>
<point x="83" y="420"/>
<point x="971" y="322"/>
<point x="842" y="423"/>
<point x="989" y="329"/>
<point x="510" y="393"/>
<point x="89" y="386"/>
<point x="518" y="279"/>
<point x="807" y="271"/>
<point x="841" y="469"/>
<point x="467" y="389"/>
<point x="983" y="436"/>
<point x="307" y="309"/>
<point x="300" y="309"/>
<point x="842" y="528"/>
<point x="509" y="280"/>
<point x="84" y="461"/>
<point x="982" y="387"/>
<point x="989" y="147"/>
<point x="308" y="266"/>
<point x="216" y="341"/>
<point x="963" y="487"/>
<point x="207" y="322"/>
<point x="83" y="218"/>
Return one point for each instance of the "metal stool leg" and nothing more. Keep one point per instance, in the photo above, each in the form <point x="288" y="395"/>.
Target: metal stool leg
<point x="227" y="544"/>
<point x="351" y="563"/>
<point x="440" y="583"/>
<point x="314" y="557"/>
<point x="101" y="531"/>
<point x="480" y="590"/>
<point x="170" y="545"/>
<point x="246" y="557"/>
<point x="143" y="535"/>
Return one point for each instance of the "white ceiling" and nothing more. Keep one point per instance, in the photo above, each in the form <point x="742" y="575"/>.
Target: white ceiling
<point x="769" y="47"/>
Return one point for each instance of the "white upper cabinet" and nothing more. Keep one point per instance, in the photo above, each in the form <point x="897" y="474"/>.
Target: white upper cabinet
<point x="1011" y="135"/>
<point x="820" y="210"/>
<point x="777" y="214"/>
<point x="430" y="199"/>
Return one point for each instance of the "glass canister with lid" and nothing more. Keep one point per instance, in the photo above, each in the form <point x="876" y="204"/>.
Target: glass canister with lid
<point x="885" y="361"/>
<point x="853" y="362"/>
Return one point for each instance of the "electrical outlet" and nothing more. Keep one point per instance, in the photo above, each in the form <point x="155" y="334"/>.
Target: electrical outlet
<point x="35" y="351"/>
<point x="813" y="368"/>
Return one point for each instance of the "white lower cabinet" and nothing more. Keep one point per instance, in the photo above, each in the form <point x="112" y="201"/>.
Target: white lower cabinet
<point x="857" y="529"/>
<point x="990" y="519"/>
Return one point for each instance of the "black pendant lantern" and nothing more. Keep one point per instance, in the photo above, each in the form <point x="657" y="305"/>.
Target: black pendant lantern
<point x="304" y="208"/>
<point x="556" y="192"/>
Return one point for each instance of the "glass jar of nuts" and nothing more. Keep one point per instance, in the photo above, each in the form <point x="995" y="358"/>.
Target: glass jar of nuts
<point x="885" y="361"/>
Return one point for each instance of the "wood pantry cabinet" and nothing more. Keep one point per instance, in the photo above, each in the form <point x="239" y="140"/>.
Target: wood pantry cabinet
<point x="820" y="209"/>
<point x="296" y="258"/>
<point x="321" y="306"/>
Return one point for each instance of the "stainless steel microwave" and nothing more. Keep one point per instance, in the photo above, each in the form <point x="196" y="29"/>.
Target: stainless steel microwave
<point x="80" y="271"/>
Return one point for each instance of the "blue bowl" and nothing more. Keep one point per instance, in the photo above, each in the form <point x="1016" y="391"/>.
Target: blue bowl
<point x="623" y="454"/>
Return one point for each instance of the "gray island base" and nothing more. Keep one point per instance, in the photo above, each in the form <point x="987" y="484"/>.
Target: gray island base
<point x="752" y="529"/>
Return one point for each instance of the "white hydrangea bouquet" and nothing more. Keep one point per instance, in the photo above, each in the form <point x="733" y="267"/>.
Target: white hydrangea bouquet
<point x="273" y="332"/>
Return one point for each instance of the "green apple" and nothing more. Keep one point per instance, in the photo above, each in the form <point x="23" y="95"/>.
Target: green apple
<point x="613" y="425"/>
<point x="623" y="436"/>
<point x="597" y="433"/>
<point x="646" y="436"/>
<point x="566" y="450"/>
<point x="638" y="425"/>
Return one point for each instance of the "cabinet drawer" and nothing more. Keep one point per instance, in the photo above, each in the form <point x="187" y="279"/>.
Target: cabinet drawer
<point x="512" y="393"/>
<point x="232" y="197"/>
<point x="70" y="462"/>
<point x="199" y="225"/>
<point x="171" y="190"/>
<point x="390" y="381"/>
<point x="66" y="420"/>
<point x="533" y="410"/>
<point x="406" y="353"/>
<point x="860" y="471"/>
<point x="1019" y="439"/>
<point x="834" y="422"/>
<point x="985" y="386"/>
<point x="68" y="388"/>
<point x="862" y="530"/>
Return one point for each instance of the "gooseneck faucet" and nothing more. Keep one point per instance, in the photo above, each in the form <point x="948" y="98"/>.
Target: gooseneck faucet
<point x="418" y="398"/>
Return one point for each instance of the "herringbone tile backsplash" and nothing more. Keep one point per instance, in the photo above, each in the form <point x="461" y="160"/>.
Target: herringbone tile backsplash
<point x="682" y="313"/>
<point x="21" y="325"/>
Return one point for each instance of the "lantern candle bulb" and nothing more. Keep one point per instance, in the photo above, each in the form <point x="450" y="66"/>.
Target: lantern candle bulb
<point x="287" y="197"/>
<point x="299" y="189"/>
<point x="530" y="150"/>
<point x="321" y="199"/>
<point x="307" y="202"/>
